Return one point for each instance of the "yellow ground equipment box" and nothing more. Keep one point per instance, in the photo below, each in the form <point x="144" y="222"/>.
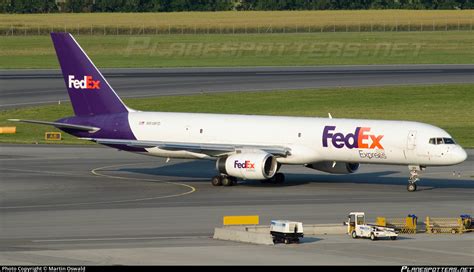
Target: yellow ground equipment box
<point x="241" y="220"/>
<point x="402" y="225"/>
<point x="467" y="222"/>
<point x="52" y="136"/>
<point x="7" y="130"/>
<point x="381" y="221"/>
<point x="448" y="225"/>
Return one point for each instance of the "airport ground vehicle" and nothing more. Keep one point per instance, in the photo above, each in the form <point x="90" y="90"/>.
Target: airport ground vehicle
<point x="286" y="231"/>
<point x="356" y="227"/>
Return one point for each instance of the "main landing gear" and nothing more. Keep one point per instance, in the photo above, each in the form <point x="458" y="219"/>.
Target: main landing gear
<point x="224" y="180"/>
<point x="414" y="177"/>
<point x="278" y="178"/>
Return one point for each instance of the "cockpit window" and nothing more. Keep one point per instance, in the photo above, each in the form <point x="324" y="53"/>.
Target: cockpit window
<point x="448" y="141"/>
<point x="438" y="141"/>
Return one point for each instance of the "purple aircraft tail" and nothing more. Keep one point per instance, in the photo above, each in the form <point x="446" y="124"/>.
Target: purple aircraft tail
<point x="89" y="91"/>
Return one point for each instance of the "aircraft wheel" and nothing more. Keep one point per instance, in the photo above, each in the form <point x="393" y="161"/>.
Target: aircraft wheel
<point x="354" y="235"/>
<point x="411" y="187"/>
<point x="216" y="181"/>
<point x="372" y="237"/>
<point x="227" y="181"/>
<point x="393" y="237"/>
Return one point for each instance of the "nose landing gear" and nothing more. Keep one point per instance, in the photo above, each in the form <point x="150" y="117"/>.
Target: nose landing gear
<point x="414" y="177"/>
<point x="411" y="187"/>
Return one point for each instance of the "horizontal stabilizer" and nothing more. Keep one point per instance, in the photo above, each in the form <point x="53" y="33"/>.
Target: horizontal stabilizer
<point x="58" y="125"/>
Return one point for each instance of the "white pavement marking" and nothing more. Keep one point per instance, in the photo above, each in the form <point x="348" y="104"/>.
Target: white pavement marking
<point x="94" y="171"/>
<point x="37" y="159"/>
<point x="42" y="172"/>
<point x="118" y="239"/>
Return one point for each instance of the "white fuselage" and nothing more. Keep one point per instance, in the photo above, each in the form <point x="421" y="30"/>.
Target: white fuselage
<point x="310" y="139"/>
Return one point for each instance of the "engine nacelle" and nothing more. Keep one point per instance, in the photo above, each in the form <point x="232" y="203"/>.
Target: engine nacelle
<point x="248" y="165"/>
<point x="339" y="168"/>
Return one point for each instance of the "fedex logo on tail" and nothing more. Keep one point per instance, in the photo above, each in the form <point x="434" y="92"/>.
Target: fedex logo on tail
<point x="87" y="83"/>
<point x="361" y="138"/>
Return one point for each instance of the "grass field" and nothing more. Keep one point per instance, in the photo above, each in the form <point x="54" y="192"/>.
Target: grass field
<point x="446" y="106"/>
<point x="232" y="21"/>
<point x="248" y="50"/>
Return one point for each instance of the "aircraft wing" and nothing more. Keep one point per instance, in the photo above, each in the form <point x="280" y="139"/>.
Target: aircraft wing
<point x="208" y="148"/>
<point x="58" y="125"/>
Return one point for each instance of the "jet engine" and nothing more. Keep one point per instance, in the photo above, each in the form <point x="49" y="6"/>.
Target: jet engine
<point x="248" y="165"/>
<point x="339" y="167"/>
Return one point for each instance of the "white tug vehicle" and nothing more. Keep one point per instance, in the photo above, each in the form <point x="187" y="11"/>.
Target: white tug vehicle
<point x="356" y="227"/>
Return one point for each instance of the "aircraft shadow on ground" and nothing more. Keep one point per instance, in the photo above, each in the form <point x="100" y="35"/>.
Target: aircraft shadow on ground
<point x="310" y="239"/>
<point x="313" y="239"/>
<point x="200" y="170"/>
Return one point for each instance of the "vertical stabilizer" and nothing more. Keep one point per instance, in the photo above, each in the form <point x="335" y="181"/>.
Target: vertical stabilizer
<point x="89" y="91"/>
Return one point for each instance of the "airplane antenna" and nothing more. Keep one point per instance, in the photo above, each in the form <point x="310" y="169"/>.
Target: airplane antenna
<point x="330" y="116"/>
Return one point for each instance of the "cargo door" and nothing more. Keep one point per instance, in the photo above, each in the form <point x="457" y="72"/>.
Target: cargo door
<point x="411" y="140"/>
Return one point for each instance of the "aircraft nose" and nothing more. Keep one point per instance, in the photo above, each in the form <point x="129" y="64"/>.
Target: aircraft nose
<point x="461" y="155"/>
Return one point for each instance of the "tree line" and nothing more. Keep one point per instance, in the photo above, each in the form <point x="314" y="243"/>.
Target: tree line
<point x="50" y="6"/>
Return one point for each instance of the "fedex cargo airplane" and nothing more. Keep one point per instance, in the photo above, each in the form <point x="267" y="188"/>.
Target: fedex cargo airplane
<point x="243" y="146"/>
